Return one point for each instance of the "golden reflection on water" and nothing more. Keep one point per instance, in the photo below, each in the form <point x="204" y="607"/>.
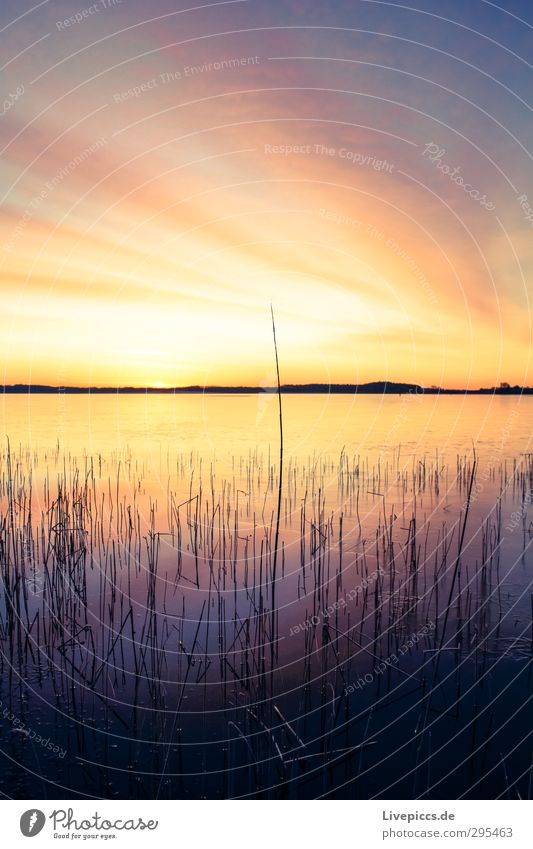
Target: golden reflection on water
<point x="221" y="425"/>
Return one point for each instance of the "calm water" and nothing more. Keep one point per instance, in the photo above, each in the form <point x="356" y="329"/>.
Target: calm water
<point x="233" y="425"/>
<point x="150" y="633"/>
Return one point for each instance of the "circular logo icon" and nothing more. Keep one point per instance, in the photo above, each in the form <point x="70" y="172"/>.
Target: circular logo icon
<point x="32" y="822"/>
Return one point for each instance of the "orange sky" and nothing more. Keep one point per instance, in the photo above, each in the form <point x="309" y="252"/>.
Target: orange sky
<point x="145" y="232"/>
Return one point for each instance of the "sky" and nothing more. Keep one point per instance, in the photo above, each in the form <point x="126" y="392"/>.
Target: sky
<point x="170" y="170"/>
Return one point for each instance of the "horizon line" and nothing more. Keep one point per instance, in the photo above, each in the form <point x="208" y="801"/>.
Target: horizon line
<point x="370" y="387"/>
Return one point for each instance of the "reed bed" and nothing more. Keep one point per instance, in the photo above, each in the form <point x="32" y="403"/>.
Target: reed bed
<point x="203" y="628"/>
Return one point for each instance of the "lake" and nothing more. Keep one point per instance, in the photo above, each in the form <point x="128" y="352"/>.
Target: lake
<point x="156" y="643"/>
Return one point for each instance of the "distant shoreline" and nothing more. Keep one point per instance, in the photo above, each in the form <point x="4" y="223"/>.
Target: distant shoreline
<point x="374" y="388"/>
